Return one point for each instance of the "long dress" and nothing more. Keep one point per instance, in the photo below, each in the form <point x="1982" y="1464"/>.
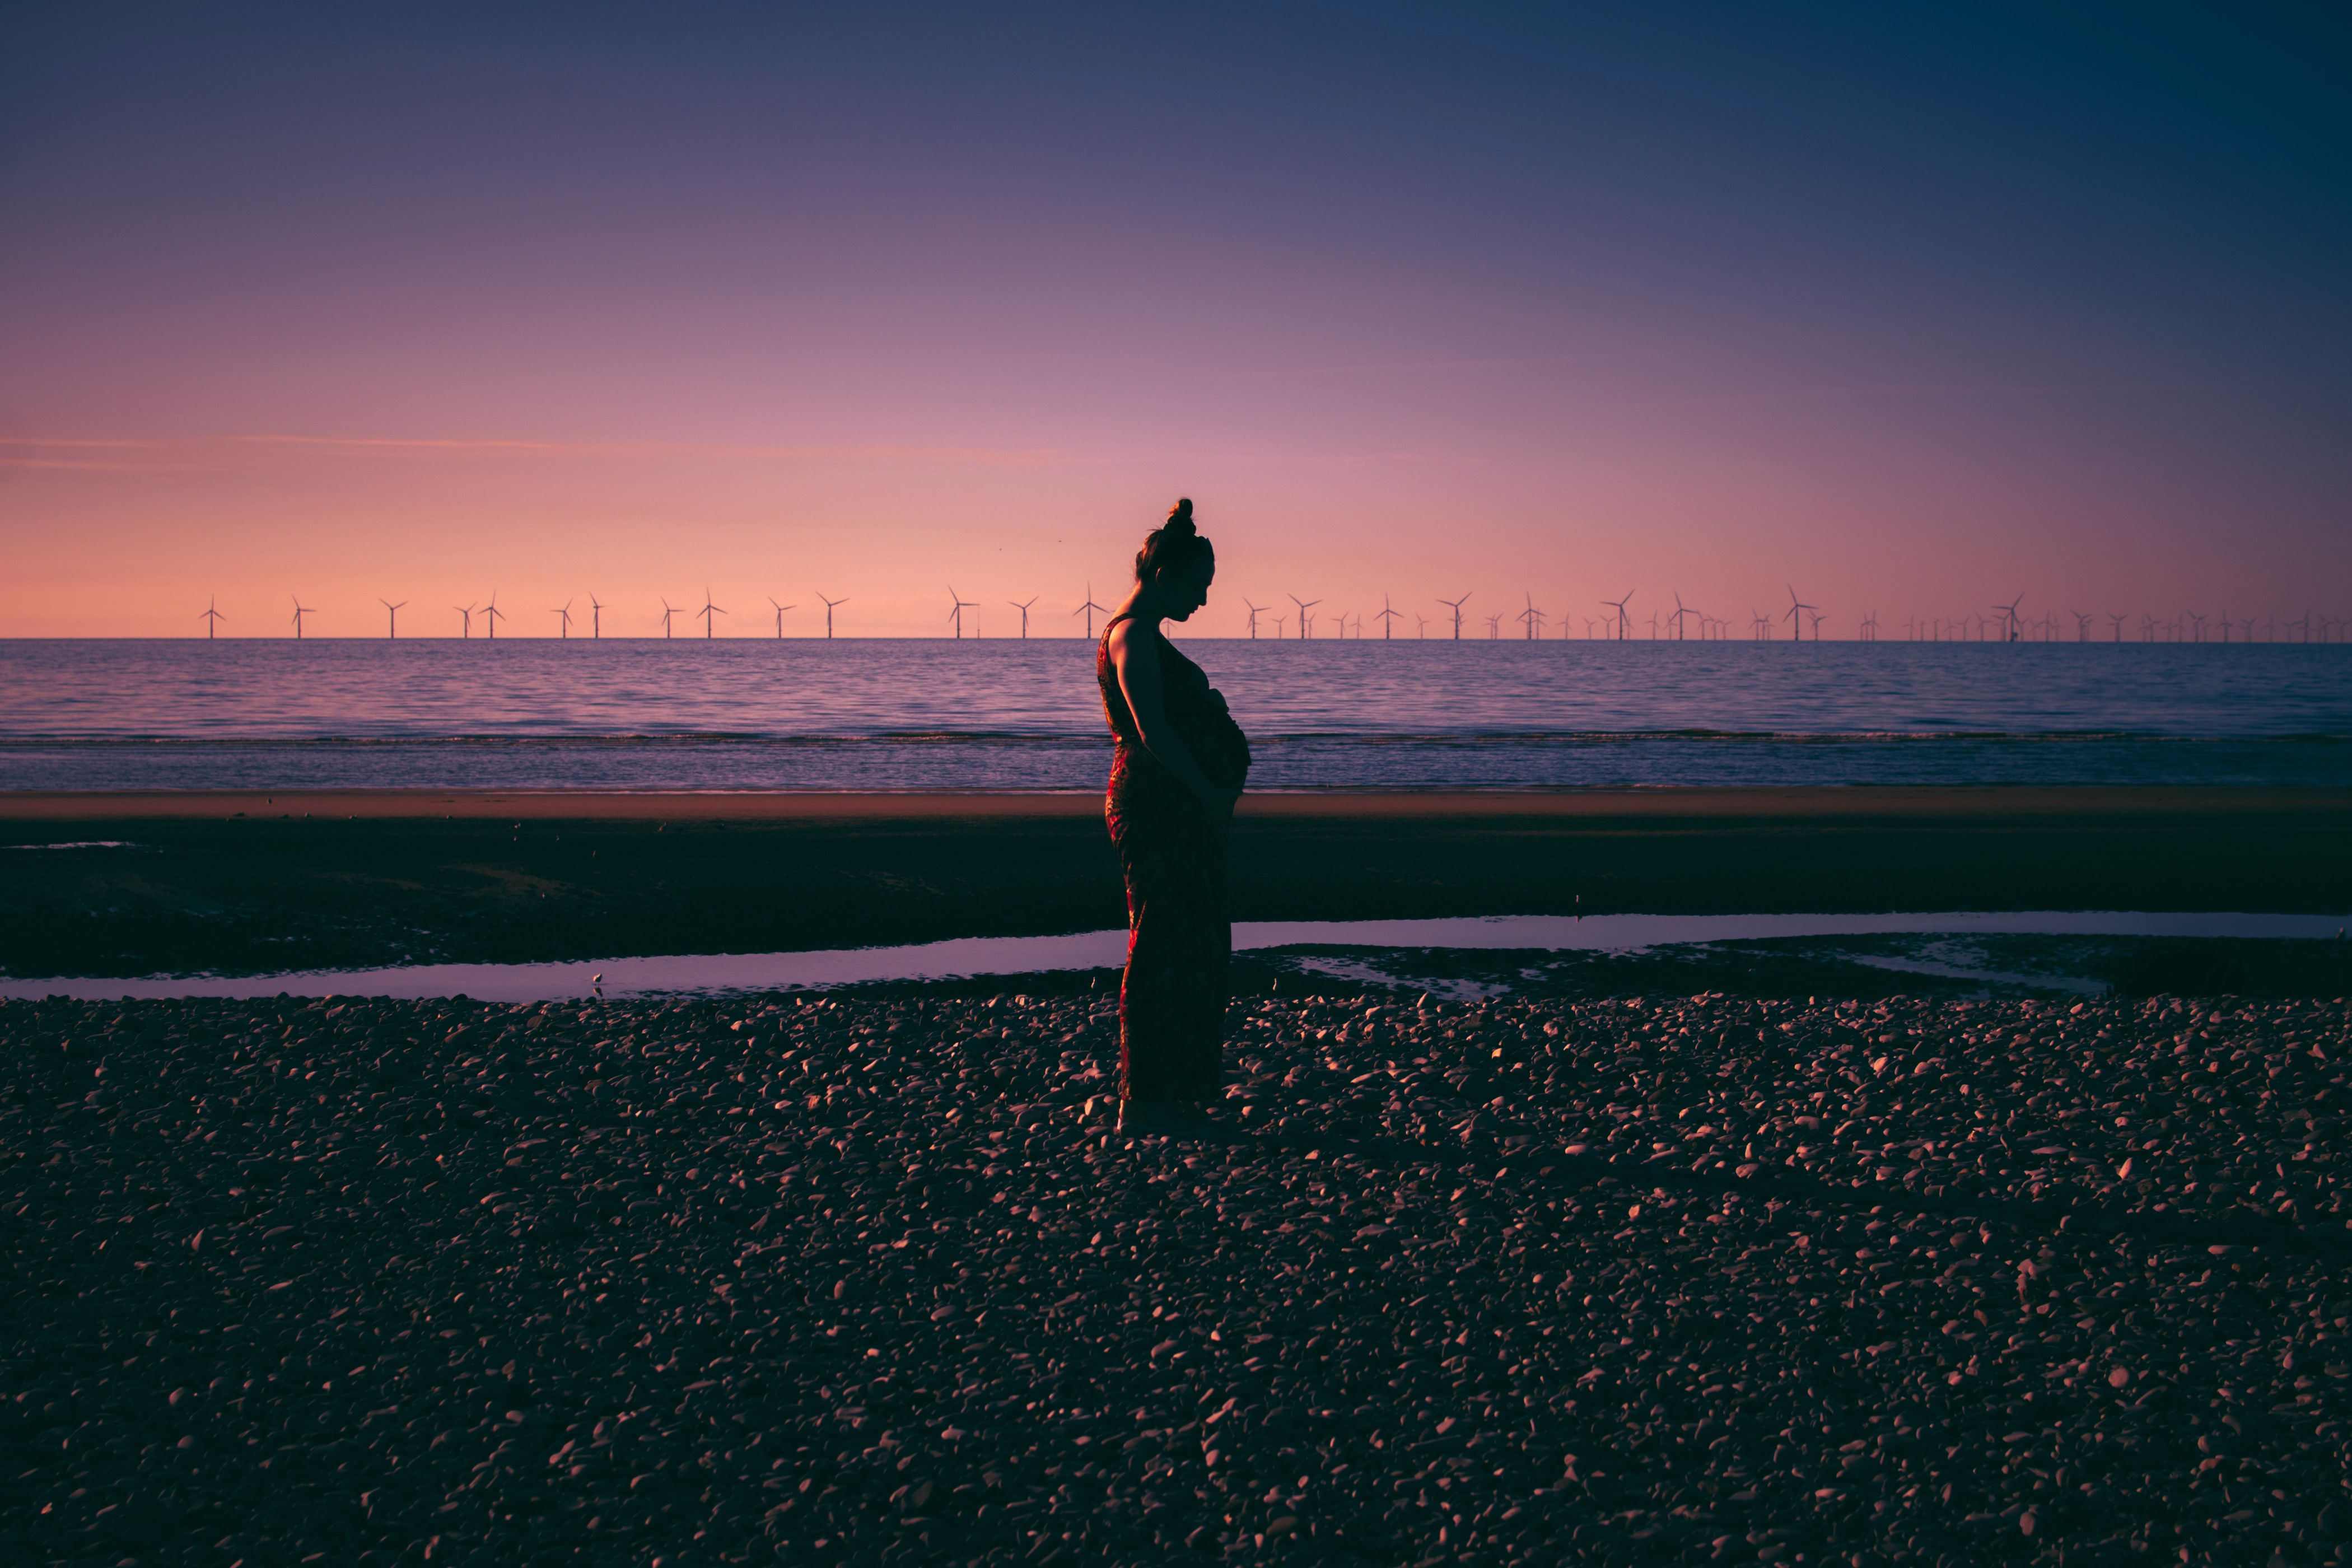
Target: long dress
<point x="1180" y="939"/>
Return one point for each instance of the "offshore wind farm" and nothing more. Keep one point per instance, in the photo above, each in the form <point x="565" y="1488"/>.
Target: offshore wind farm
<point x="1798" y="623"/>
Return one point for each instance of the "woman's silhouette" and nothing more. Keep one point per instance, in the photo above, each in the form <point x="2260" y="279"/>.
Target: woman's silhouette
<point x="1176" y="772"/>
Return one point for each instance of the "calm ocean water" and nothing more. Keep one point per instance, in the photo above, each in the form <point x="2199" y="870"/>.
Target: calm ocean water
<point x="743" y="714"/>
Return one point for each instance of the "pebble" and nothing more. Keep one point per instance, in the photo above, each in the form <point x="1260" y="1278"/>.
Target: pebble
<point x="871" y="1279"/>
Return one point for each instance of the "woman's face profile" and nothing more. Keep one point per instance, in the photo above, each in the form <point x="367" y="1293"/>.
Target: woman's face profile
<point x="1183" y="591"/>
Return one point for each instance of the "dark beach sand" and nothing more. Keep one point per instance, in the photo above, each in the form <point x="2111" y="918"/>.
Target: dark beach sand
<point x="867" y="1281"/>
<point x="257" y="883"/>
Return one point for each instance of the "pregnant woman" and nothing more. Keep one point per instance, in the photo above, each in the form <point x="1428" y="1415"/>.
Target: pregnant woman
<point x="1174" y="776"/>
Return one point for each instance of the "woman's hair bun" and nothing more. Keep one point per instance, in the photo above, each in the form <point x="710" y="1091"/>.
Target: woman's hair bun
<point x="1174" y="545"/>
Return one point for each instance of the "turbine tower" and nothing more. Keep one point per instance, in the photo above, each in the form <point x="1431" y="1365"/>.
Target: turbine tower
<point x="710" y="613"/>
<point x="1624" y="622"/>
<point x="1304" y="606"/>
<point x="1255" y="612"/>
<point x="595" y="619"/>
<point x="1533" y="618"/>
<point x="1388" y="618"/>
<point x="493" y="615"/>
<point x="1024" y="614"/>
<point x="1455" y="606"/>
<point x="1796" y="625"/>
<point x="563" y="620"/>
<point x="667" y="611"/>
<point x="1677" y="617"/>
<point x="1090" y="610"/>
<point x="2009" y="621"/>
<point x="961" y="605"/>
<point x="391" y="616"/>
<point x="210" y="615"/>
<point x="301" y="609"/>
<point x="467" y="611"/>
<point x="829" y="603"/>
<point x="780" y="616"/>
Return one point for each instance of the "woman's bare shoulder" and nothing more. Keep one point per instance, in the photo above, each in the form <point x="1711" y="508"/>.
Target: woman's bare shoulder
<point x="1124" y="641"/>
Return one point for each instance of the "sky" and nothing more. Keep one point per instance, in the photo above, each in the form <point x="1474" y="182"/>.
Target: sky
<point x="1915" y="310"/>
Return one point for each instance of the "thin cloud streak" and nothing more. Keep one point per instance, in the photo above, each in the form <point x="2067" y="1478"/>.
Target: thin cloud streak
<point x="1016" y="457"/>
<point x="67" y="465"/>
<point x="172" y="454"/>
<point x="1381" y="367"/>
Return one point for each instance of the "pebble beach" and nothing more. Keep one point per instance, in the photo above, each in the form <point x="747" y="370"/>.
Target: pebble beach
<point x="872" y="1279"/>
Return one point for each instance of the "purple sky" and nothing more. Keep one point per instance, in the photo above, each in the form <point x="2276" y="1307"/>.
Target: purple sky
<point x="1916" y="313"/>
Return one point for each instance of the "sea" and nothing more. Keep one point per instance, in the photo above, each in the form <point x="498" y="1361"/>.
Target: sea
<point x="1009" y="714"/>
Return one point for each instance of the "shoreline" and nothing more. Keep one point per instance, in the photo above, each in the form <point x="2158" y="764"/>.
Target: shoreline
<point x="1941" y="801"/>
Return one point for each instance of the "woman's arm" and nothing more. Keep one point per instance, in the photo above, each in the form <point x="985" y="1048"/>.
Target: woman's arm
<point x="1137" y="659"/>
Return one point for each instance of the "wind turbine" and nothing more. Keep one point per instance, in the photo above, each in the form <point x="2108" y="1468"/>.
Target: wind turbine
<point x="1533" y="617"/>
<point x="710" y="613"/>
<point x="829" y="603"/>
<point x="1624" y="626"/>
<point x="563" y="620"/>
<point x="1255" y="612"/>
<point x="493" y="615"/>
<point x="210" y="615"/>
<point x="667" y="611"/>
<point x="467" y="611"/>
<point x="1024" y="614"/>
<point x="780" y="616"/>
<point x="1494" y="627"/>
<point x="301" y="609"/>
<point x="1387" y="617"/>
<point x="596" y="620"/>
<point x="1090" y="610"/>
<point x="1680" y="611"/>
<point x="1421" y="626"/>
<point x="1796" y="625"/>
<point x="1455" y="606"/>
<point x="961" y="605"/>
<point x="2008" y="621"/>
<point x="1304" y="606"/>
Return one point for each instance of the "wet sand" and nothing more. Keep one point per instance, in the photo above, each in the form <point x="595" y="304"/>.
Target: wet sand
<point x="869" y="1280"/>
<point x="253" y="883"/>
<point x="1925" y="803"/>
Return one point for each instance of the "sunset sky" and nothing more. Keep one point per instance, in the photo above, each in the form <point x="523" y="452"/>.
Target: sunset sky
<point x="428" y="301"/>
